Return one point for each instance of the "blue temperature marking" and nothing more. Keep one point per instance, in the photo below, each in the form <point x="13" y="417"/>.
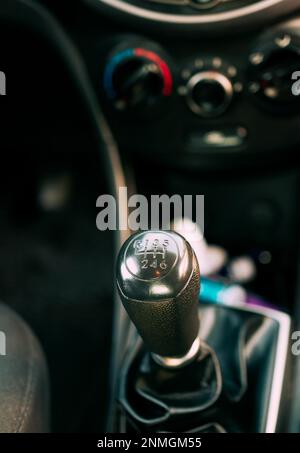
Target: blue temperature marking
<point x="110" y="68"/>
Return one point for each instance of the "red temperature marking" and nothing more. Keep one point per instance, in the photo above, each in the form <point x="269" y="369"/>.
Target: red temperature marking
<point x="152" y="56"/>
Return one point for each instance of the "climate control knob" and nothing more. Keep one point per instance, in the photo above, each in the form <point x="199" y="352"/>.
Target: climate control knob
<point x="137" y="78"/>
<point x="209" y="93"/>
<point x="274" y="65"/>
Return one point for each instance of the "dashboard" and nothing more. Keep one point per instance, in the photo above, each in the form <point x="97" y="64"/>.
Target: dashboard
<point x="217" y="89"/>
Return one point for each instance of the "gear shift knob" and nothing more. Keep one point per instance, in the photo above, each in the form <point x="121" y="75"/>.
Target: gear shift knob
<point x="158" y="280"/>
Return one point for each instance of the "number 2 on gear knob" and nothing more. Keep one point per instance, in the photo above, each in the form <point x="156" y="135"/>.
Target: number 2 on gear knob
<point x="158" y="280"/>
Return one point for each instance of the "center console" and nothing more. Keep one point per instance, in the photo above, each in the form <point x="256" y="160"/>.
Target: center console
<point x="197" y="84"/>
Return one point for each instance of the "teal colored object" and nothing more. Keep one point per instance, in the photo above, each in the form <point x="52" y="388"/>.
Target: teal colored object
<point x="211" y="291"/>
<point x="217" y="292"/>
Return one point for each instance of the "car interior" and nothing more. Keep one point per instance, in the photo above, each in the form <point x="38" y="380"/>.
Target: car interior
<point x="163" y="97"/>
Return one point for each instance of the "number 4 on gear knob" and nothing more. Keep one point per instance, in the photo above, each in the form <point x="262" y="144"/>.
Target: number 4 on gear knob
<point x="158" y="280"/>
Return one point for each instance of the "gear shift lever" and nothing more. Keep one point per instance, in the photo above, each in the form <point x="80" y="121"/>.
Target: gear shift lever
<point x="158" y="280"/>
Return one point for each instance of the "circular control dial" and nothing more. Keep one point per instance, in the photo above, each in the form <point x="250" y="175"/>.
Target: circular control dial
<point x="209" y="85"/>
<point x="137" y="78"/>
<point x="274" y="71"/>
<point x="209" y="93"/>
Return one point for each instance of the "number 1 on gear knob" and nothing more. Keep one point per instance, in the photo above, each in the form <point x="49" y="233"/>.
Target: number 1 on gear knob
<point x="158" y="280"/>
